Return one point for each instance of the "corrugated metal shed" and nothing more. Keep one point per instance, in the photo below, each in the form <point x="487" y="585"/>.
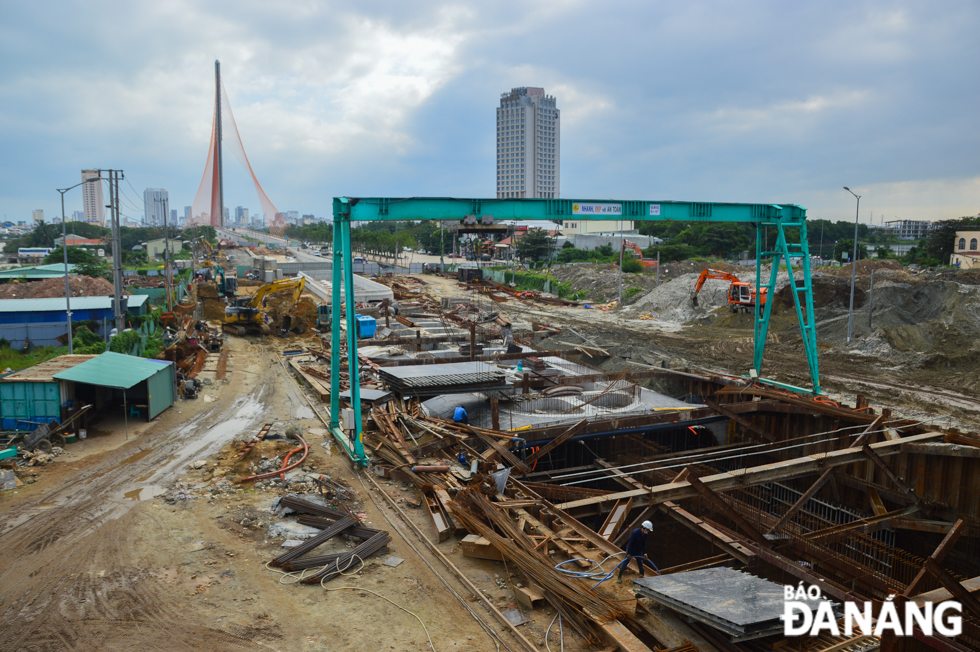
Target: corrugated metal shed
<point x="125" y="372"/>
<point x="111" y="370"/>
<point x="37" y="311"/>
<point x="56" y="304"/>
<point x="37" y="271"/>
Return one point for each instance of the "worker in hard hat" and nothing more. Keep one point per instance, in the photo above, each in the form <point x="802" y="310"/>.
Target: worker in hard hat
<point x="459" y="416"/>
<point x="636" y="548"/>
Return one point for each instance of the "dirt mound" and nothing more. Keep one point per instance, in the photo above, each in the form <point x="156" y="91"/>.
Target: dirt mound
<point x="601" y="282"/>
<point x="52" y="288"/>
<point x="828" y="292"/>
<point x="214" y="308"/>
<point x="864" y="268"/>
<point x="672" y="300"/>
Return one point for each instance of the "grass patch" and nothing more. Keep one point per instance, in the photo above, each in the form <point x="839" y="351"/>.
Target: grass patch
<point x="17" y="360"/>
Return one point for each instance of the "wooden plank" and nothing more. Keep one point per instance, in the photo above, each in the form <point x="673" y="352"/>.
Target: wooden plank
<point x="569" y="549"/>
<point x="477" y="594"/>
<point x="311" y="381"/>
<point x="587" y="533"/>
<point x="556" y="442"/>
<point x="752" y="475"/>
<point x="617" y="516"/>
<point x="498" y="449"/>
<point x="941" y="595"/>
<point x="877" y="504"/>
<point x="618" y="635"/>
<point x="671" y="630"/>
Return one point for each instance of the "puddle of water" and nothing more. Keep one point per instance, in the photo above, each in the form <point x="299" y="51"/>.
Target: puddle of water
<point x="145" y="493"/>
<point x="137" y="457"/>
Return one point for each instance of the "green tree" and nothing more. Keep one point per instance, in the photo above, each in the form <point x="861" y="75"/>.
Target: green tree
<point x="75" y="256"/>
<point x="96" y="268"/>
<point x="536" y="244"/>
<point x="940" y="243"/>
<point x="846" y="246"/>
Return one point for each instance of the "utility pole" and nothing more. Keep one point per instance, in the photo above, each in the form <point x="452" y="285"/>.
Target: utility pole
<point x="167" y="281"/>
<point x="115" y="176"/>
<point x="217" y="142"/>
<point x="621" y="250"/>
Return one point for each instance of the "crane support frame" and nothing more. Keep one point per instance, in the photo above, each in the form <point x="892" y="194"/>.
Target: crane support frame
<point x="788" y="219"/>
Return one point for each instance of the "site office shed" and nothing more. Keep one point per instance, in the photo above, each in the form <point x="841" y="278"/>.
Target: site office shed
<point x="112" y="378"/>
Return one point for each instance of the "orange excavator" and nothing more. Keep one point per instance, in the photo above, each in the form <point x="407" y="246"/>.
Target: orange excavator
<point x="629" y="245"/>
<point x="741" y="295"/>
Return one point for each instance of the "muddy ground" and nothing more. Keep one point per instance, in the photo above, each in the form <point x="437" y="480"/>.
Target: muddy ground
<point x="132" y="549"/>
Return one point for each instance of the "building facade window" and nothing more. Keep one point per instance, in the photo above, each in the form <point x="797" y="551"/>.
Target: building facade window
<point x="962" y="243"/>
<point x="973" y="244"/>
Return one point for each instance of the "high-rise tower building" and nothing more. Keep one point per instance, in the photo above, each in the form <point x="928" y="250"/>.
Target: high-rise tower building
<point x="528" y="137"/>
<point x="154" y="206"/>
<point x="93" y="204"/>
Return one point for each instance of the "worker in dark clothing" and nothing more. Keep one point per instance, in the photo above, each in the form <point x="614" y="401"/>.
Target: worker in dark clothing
<point x="459" y="416"/>
<point x="636" y="548"/>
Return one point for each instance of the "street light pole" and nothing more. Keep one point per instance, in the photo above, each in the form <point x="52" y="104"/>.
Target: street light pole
<point x="64" y="249"/>
<point x="850" y="312"/>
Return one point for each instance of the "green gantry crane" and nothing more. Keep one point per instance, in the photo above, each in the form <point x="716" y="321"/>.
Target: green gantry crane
<point x="791" y="246"/>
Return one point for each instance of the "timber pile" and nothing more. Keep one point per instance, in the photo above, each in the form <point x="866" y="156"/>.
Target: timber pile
<point x="527" y="530"/>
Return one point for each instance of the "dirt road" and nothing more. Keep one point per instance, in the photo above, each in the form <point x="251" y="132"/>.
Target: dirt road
<point x="93" y="562"/>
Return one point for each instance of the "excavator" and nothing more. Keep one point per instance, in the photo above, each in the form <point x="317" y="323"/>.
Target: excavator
<point x="210" y="254"/>
<point x="629" y="245"/>
<point x="741" y="295"/>
<point x="227" y="286"/>
<point x="246" y="314"/>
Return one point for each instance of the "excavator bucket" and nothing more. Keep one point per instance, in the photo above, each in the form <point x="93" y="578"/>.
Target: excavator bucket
<point x="694" y="300"/>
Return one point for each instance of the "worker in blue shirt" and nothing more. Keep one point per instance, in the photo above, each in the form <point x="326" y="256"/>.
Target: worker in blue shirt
<point x="636" y="548"/>
<point x="459" y="416"/>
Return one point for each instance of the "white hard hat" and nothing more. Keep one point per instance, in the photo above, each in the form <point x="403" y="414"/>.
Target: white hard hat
<point x="647" y="525"/>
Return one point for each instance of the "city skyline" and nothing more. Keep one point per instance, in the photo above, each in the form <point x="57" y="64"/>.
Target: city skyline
<point x="702" y="101"/>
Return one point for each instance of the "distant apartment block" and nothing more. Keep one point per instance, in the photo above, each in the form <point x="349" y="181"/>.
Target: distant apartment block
<point x="93" y="205"/>
<point x="154" y="206"/>
<point x="528" y="145"/>
<point x="78" y="216"/>
<point x="910" y="229"/>
<point x="37" y="215"/>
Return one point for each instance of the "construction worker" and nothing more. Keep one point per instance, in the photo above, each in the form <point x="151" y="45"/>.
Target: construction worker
<point x="459" y="416"/>
<point x="636" y="548"/>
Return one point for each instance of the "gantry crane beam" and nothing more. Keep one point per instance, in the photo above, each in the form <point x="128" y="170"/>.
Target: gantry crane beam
<point x="789" y="221"/>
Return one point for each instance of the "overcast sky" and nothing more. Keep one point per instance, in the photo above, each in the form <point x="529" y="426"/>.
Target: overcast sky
<point x="777" y="102"/>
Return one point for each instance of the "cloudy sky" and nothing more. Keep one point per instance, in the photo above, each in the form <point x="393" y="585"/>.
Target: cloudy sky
<point x="779" y="102"/>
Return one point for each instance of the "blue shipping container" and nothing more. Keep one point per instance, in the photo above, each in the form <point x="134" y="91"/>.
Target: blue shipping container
<point x="24" y="405"/>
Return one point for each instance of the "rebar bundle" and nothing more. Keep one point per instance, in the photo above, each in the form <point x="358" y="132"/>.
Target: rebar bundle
<point x="577" y="603"/>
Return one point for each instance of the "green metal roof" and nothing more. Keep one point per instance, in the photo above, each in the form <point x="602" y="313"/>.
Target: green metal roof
<point x="54" y="270"/>
<point x="58" y="304"/>
<point x="113" y="370"/>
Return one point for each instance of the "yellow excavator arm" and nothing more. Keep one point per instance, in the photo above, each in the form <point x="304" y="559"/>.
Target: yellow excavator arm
<point x="295" y="284"/>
